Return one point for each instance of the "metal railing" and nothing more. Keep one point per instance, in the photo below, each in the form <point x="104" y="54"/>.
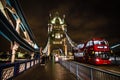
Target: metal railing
<point x="84" y="72"/>
<point x="10" y="70"/>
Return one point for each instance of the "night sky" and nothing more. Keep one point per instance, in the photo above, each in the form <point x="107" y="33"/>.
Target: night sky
<point x="85" y="19"/>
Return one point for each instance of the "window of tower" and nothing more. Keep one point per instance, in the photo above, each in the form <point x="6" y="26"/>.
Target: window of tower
<point x="57" y="36"/>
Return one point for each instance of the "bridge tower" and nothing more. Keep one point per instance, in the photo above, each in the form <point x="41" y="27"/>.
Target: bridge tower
<point x="56" y="33"/>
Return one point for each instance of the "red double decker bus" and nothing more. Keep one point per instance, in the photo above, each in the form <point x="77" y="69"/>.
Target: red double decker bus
<point x="95" y="51"/>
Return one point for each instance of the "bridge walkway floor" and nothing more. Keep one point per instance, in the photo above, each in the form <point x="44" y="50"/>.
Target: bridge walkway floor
<point x="49" y="71"/>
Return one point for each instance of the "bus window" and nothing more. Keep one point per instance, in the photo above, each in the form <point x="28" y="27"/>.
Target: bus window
<point x="100" y="42"/>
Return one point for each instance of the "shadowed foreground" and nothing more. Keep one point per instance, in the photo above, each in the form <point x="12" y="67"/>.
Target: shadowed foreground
<point x="51" y="71"/>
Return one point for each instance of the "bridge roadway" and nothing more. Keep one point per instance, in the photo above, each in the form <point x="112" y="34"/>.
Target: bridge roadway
<point x="49" y="71"/>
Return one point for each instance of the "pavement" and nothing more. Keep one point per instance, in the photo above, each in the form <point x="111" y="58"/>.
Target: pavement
<point x="49" y="71"/>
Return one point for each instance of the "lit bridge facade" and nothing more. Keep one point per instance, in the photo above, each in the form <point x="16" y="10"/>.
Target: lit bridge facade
<point x="14" y="28"/>
<point x="58" y="40"/>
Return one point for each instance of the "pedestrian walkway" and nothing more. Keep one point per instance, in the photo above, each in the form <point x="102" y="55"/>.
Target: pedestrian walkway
<point x="49" y="71"/>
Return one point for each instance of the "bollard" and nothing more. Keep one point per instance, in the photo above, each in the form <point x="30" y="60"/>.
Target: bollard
<point x="70" y="66"/>
<point x="91" y="74"/>
<point x="77" y="75"/>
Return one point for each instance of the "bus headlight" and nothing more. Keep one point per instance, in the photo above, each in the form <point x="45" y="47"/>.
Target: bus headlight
<point x="97" y="59"/>
<point x="110" y="59"/>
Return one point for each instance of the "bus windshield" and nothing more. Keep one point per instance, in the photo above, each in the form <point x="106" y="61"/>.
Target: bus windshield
<point x="103" y="55"/>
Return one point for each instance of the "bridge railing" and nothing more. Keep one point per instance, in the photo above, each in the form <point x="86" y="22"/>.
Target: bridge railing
<point x="84" y="72"/>
<point x="10" y="70"/>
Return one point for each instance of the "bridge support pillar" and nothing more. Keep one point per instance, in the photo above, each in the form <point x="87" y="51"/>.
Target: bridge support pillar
<point x="13" y="56"/>
<point x="32" y="55"/>
<point x="65" y="50"/>
<point x="14" y="49"/>
<point x="49" y="49"/>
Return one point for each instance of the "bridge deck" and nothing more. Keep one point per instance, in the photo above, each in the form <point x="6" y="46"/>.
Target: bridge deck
<point x="51" y="71"/>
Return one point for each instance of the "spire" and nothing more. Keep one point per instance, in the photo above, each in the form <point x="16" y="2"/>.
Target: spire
<point x="57" y="14"/>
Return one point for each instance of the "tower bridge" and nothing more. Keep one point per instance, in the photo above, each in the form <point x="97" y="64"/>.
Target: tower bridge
<point x="14" y="28"/>
<point x="57" y="35"/>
